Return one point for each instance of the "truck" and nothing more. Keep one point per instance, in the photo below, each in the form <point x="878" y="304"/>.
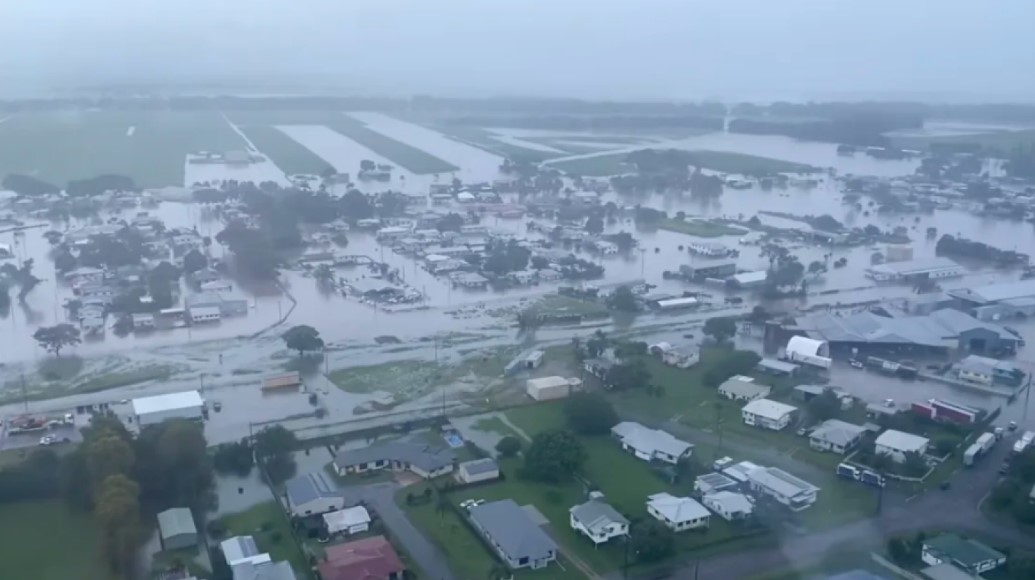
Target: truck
<point x="971" y="454"/>
<point x="1023" y="442"/>
<point x="873" y="478"/>
<point x="986" y="441"/>
<point x="848" y="471"/>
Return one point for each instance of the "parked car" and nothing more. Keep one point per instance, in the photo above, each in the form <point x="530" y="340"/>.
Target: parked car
<point x="47" y="440"/>
<point x="856" y="364"/>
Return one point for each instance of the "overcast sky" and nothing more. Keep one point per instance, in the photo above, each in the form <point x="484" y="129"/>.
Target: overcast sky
<point x="608" y="49"/>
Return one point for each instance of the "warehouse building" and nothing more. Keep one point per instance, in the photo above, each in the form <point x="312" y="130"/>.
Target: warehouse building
<point x="998" y="301"/>
<point x="914" y="271"/>
<point x="153" y="410"/>
<point x="549" y="388"/>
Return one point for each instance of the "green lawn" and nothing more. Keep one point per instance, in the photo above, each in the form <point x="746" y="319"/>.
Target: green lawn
<point x="288" y="155"/>
<point x="269" y="525"/>
<point x="468" y="555"/>
<point x="723" y="161"/>
<point x="1000" y="141"/>
<point x="46" y="541"/>
<point x="407" y="156"/>
<point x="491" y="425"/>
<point x="59" y="146"/>
<point x="700" y="228"/>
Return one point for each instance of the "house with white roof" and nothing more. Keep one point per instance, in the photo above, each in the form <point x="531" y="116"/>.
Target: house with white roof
<point x="650" y="444"/>
<point x="741" y="388"/>
<point x="677" y="513"/>
<point x="598" y="521"/>
<point x="767" y="414"/>
<point x="793" y="492"/>
<point x="353" y="520"/>
<point x="729" y="505"/>
<point x="896" y="444"/>
<point x="836" y="435"/>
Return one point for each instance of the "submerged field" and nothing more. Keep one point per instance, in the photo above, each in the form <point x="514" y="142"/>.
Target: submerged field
<point x="148" y="146"/>
<point x="722" y="161"/>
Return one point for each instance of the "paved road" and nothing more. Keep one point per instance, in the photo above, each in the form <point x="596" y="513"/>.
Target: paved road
<point x="381" y="497"/>
<point x="956" y="509"/>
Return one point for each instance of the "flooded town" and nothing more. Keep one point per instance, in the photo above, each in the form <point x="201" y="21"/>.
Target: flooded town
<point x="331" y="337"/>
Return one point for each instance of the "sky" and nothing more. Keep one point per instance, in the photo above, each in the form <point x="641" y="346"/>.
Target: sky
<point x="761" y="50"/>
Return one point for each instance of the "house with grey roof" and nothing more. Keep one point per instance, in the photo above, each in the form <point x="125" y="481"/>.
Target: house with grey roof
<point x="836" y="436"/>
<point x="650" y="444"/>
<point x="248" y="563"/>
<point x="176" y="529"/>
<point x="312" y="494"/>
<point x="418" y="457"/>
<point x="729" y="505"/>
<point x="598" y="521"/>
<point x="518" y="540"/>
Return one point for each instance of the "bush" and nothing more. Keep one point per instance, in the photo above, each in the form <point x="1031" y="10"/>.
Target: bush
<point x="276" y="537"/>
<point x="509" y="446"/>
<point x="590" y="414"/>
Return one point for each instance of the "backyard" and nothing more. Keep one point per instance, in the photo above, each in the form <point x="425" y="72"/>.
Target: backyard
<point x="45" y="541"/>
<point x="268" y="524"/>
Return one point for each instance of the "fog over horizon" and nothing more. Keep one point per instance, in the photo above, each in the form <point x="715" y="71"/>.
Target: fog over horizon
<point x="761" y="50"/>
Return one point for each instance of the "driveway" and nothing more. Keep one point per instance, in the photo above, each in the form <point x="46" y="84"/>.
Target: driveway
<point x="381" y="497"/>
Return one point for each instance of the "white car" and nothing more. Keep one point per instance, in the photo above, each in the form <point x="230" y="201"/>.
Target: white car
<point x="47" y="440"/>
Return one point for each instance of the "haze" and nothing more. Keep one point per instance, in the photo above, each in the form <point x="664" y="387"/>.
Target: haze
<point x="610" y="49"/>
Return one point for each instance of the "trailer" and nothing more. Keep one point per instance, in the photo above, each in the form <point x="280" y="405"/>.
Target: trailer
<point x="848" y="471"/>
<point x="971" y="454"/>
<point x="986" y="441"/>
<point x="873" y="478"/>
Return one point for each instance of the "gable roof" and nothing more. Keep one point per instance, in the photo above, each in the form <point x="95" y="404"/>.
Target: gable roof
<point x="963" y="552"/>
<point x="479" y="466"/>
<point x="741" y="386"/>
<point x="901" y="441"/>
<point x="677" y="509"/>
<point x="649" y="440"/>
<point x="367" y="559"/>
<point x="781" y="482"/>
<point x="512" y="530"/>
<point x="940" y="328"/>
<point x="176" y="521"/>
<point x="837" y="432"/>
<point x="596" y="514"/>
<point x="309" y="487"/>
<point x="768" y="408"/>
<point x="731" y="502"/>
<point x="238" y="548"/>
<point x="421" y="455"/>
<point x="251" y="570"/>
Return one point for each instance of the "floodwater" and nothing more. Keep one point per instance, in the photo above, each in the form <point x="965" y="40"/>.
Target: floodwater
<point x="350" y="327"/>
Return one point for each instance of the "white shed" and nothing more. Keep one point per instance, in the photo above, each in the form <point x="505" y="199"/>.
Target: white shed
<point x="353" y="520"/>
<point x="809" y="351"/>
<point x="549" y="388"/>
<point x="153" y="410"/>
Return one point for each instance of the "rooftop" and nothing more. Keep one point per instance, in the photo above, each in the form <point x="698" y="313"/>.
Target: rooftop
<point x="940" y="328"/>
<point x="595" y="514"/>
<point x="997" y="292"/>
<point x="479" y="466"/>
<point x="512" y="530"/>
<point x="963" y="552"/>
<point x="901" y="441"/>
<point x="741" y="386"/>
<point x="308" y="487"/>
<point x="649" y="440"/>
<point x="945" y="571"/>
<point x="167" y="402"/>
<point x="176" y="521"/>
<point x="730" y="501"/>
<point x="913" y="267"/>
<point x="367" y="559"/>
<point x="677" y="509"/>
<point x="421" y="455"/>
<point x="768" y="408"/>
<point x="837" y="432"/>
<point x="780" y="481"/>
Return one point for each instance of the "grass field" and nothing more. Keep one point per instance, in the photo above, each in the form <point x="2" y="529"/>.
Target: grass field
<point x="722" y="161"/>
<point x="269" y="526"/>
<point x="700" y="228"/>
<point x="45" y="541"/>
<point x="483" y="139"/>
<point x="62" y="146"/>
<point x="999" y="141"/>
<point x="286" y="153"/>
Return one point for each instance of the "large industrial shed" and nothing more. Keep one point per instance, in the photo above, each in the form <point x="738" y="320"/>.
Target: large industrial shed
<point x="153" y="410"/>
<point x="937" y="333"/>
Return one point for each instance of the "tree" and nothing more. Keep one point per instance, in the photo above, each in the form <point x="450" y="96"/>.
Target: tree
<point x="554" y="456"/>
<point x="109" y="455"/>
<point x="508" y="446"/>
<point x="816" y="268"/>
<point x="623" y="300"/>
<point x="759" y="315"/>
<point x="194" y="261"/>
<point x="451" y="222"/>
<point x="825" y="406"/>
<point x="737" y="362"/>
<point x="898" y="551"/>
<point x="64" y="261"/>
<point x="28" y="186"/>
<point x="539" y="263"/>
<point x="628" y="376"/>
<point x="173" y="465"/>
<point x="302" y="338"/>
<point x="597" y="344"/>
<point x="914" y="464"/>
<point x="595" y="225"/>
<point x="720" y="328"/>
<point x="590" y="414"/>
<point x="273" y="447"/>
<point x="652" y="541"/>
<point x="234" y="458"/>
<point x="356" y="206"/>
<point x="117" y="508"/>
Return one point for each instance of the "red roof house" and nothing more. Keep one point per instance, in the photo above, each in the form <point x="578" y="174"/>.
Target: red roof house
<point x="367" y="559"/>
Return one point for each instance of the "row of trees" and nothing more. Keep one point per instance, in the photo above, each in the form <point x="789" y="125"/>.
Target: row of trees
<point x="32" y="186"/>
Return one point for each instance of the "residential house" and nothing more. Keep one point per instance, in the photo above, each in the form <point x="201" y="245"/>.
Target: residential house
<point x="650" y="444"/>
<point x="767" y="414"/>
<point x="311" y="494"/>
<point x="682" y="358"/>
<point x="478" y="470"/>
<point x="469" y="280"/>
<point x="176" y="529"/>
<point x="353" y="520"/>
<point x="729" y="505"/>
<point x="896" y="444"/>
<point x="795" y="493"/>
<point x="518" y="540"/>
<point x="420" y="458"/>
<point x="969" y="555"/>
<point x="677" y="513"/>
<point x="598" y="521"/>
<point x="247" y="563"/>
<point x="741" y="388"/>
<point x="203" y="314"/>
<point x="367" y="559"/>
<point x="143" y="321"/>
<point x="836" y="435"/>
